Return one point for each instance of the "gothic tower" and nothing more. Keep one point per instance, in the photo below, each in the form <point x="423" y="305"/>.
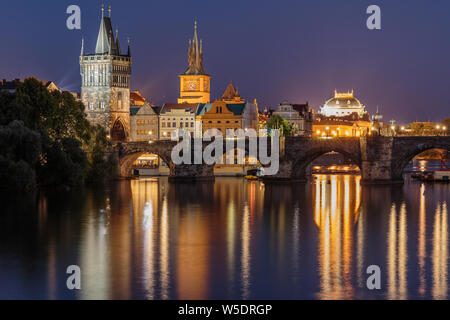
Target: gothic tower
<point x="194" y="82"/>
<point x="105" y="82"/>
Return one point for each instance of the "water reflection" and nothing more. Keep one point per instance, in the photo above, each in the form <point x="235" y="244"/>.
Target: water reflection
<point x="336" y="207"/>
<point x="440" y="252"/>
<point x="397" y="257"/>
<point x="232" y="239"/>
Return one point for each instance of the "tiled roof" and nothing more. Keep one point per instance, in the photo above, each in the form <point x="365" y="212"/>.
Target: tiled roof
<point x="236" y="108"/>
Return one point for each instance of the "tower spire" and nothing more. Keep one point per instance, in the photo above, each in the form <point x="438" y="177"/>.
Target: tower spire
<point x="82" y="46"/>
<point x="109" y="11"/>
<point x="195" y="54"/>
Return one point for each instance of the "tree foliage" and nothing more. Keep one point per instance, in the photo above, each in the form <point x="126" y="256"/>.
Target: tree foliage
<point x="278" y="122"/>
<point x="46" y="139"/>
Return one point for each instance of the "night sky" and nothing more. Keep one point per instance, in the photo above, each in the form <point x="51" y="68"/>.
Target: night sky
<point x="299" y="50"/>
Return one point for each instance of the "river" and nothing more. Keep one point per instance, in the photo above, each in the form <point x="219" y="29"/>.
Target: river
<point x="230" y="239"/>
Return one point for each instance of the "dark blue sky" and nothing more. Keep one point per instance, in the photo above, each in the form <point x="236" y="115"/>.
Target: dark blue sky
<point x="296" y="50"/>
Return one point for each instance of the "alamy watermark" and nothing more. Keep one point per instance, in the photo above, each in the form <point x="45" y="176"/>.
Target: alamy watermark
<point x="73" y="22"/>
<point x="74" y="280"/>
<point x="190" y="150"/>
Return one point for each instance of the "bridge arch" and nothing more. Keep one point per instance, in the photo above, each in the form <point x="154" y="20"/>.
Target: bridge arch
<point x="301" y="164"/>
<point x="406" y="150"/>
<point x="130" y="152"/>
<point x="306" y="154"/>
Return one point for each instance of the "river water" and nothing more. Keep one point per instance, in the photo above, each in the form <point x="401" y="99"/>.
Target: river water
<point x="231" y="239"/>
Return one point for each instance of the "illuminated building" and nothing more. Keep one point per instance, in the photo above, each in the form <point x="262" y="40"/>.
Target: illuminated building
<point x="299" y="116"/>
<point x="105" y="77"/>
<point x="144" y="123"/>
<point x="343" y="104"/>
<point x="194" y="82"/>
<point x="231" y="112"/>
<point x="342" y="116"/>
<point x="174" y="116"/>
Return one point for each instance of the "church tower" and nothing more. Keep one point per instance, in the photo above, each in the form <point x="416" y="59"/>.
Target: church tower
<point x="194" y="82"/>
<point x="105" y="82"/>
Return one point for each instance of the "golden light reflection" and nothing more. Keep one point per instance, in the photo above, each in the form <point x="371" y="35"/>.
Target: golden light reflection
<point x="422" y="246"/>
<point x="335" y="201"/>
<point x="164" y="251"/>
<point x="193" y="258"/>
<point x="397" y="254"/>
<point x="440" y="253"/>
<point x="246" y="262"/>
<point x="231" y="243"/>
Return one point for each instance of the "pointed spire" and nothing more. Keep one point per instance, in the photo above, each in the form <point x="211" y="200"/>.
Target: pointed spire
<point x="82" y="46"/>
<point x="129" y="48"/>
<point x="102" y="39"/>
<point x="109" y="11"/>
<point x="195" y="54"/>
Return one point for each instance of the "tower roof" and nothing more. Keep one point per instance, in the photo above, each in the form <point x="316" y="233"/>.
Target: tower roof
<point x="230" y="92"/>
<point x="106" y="42"/>
<point x="195" y="55"/>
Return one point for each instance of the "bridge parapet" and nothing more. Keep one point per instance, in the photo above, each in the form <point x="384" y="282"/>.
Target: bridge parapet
<point x="381" y="159"/>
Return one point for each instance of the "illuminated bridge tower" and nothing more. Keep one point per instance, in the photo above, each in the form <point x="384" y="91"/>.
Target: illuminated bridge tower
<point x="105" y="78"/>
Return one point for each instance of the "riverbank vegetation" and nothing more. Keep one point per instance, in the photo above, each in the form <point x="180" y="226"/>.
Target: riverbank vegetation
<point x="46" y="140"/>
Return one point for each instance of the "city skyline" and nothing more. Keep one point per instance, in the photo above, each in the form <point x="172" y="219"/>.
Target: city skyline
<point x="390" y="68"/>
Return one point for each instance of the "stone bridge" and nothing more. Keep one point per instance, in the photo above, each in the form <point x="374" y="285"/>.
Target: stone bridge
<point x="381" y="159"/>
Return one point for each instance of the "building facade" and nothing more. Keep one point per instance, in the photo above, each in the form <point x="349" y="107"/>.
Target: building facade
<point x="174" y="116"/>
<point x="195" y="83"/>
<point x="144" y="123"/>
<point x="343" y="104"/>
<point x="299" y="116"/>
<point x="105" y="88"/>
<point x="342" y="116"/>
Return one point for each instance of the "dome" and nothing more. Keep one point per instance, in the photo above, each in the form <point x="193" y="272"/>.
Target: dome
<point x="342" y="104"/>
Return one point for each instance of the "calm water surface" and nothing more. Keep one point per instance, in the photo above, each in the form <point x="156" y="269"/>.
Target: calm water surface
<point x="232" y="239"/>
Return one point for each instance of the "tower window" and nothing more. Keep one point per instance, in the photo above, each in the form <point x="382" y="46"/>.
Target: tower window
<point x="102" y="105"/>
<point x="91" y="106"/>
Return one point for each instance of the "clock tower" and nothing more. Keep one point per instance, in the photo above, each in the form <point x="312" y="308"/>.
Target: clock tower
<point x="194" y="82"/>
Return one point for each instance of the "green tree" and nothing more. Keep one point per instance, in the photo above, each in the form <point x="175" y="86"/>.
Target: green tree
<point x="20" y="150"/>
<point x="47" y="135"/>
<point x="277" y="122"/>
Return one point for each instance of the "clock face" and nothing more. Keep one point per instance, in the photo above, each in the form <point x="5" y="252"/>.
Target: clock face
<point x="192" y="85"/>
